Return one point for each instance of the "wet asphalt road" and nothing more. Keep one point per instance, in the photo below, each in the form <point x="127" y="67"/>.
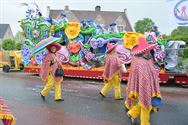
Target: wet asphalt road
<point x="83" y="105"/>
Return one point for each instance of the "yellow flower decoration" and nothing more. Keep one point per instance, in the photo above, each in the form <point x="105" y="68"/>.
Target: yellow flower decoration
<point x="130" y="39"/>
<point x="72" y="30"/>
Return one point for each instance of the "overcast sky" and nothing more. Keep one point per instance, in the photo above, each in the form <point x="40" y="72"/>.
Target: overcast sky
<point x="157" y="10"/>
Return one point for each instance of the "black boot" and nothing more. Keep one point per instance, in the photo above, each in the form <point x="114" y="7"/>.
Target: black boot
<point x="120" y="98"/>
<point x="59" y="100"/>
<point x="43" y="97"/>
<point x="102" y="95"/>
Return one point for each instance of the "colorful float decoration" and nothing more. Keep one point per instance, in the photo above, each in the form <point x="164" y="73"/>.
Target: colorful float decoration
<point x="83" y="43"/>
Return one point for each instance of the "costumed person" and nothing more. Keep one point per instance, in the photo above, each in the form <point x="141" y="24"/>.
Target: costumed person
<point x="84" y="23"/>
<point x="143" y="92"/>
<point x="155" y="30"/>
<point x="48" y="72"/>
<point x="112" y="28"/>
<point x="158" y="53"/>
<point x="61" y="21"/>
<point x="62" y="18"/>
<point x="112" y="72"/>
<point x="100" y="29"/>
<point x="50" y="23"/>
<point x="91" y="23"/>
<point x="153" y="35"/>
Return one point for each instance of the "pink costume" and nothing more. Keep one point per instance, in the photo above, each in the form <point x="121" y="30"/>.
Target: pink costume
<point x="112" y="65"/>
<point x="47" y="74"/>
<point x="46" y="68"/>
<point x="143" y="83"/>
<point x="112" y="73"/>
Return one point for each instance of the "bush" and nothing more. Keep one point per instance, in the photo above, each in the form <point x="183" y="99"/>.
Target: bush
<point x="144" y="25"/>
<point x="8" y="44"/>
<point x="179" y="37"/>
<point x="180" y="33"/>
<point x="185" y="53"/>
<point x="18" y="46"/>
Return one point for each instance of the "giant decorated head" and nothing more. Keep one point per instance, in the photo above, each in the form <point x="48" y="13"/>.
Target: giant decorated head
<point x="130" y="39"/>
<point x="72" y="30"/>
<point x="74" y="47"/>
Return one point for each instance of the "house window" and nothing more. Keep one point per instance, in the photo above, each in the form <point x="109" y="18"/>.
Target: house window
<point x="120" y="28"/>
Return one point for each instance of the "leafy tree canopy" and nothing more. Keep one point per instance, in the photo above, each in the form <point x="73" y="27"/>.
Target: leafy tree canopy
<point x="180" y="33"/>
<point x="19" y="37"/>
<point x="144" y="25"/>
<point x="8" y="44"/>
<point x="18" y="46"/>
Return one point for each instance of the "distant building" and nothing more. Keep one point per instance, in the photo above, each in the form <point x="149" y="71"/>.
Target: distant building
<point x="100" y="17"/>
<point x="5" y="32"/>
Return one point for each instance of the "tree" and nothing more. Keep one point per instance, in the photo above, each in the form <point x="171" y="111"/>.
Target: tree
<point x="19" y="46"/>
<point x="144" y="25"/>
<point x="180" y="33"/>
<point x="19" y="37"/>
<point x="167" y="37"/>
<point x="8" y="44"/>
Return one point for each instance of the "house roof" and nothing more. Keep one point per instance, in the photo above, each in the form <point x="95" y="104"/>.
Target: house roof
<point x="3" y="29"/>
<point x="108" y="16"/>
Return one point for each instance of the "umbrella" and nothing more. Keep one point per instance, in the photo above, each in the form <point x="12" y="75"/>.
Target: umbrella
<point x="42" y="44"/>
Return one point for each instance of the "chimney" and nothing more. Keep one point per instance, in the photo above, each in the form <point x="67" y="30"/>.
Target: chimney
<point x="98" y="8"/>
<point x="47" y="11"/>
<point x="125" y="11"/>
<point x="66" y="8"/>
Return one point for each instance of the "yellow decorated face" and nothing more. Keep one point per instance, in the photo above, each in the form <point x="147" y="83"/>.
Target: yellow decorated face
<point x="130" y="39"/>
<point x="72" y="30"/>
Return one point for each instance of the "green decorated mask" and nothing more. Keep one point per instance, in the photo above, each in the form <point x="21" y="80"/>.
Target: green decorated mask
<point x="74" y="58"/>
<point x="87" y="46"/>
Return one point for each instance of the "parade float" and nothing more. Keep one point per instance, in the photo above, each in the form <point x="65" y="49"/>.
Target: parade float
<point x="84" y="44"/>
<point x="11" y="60"/>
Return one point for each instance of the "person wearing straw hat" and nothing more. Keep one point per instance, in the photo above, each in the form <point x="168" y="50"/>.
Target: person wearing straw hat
<point x="48" y="70"/>
<point x="143" y="84"/>
<point x="112" y="72"/>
